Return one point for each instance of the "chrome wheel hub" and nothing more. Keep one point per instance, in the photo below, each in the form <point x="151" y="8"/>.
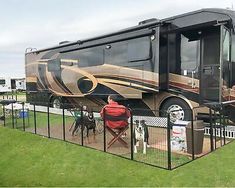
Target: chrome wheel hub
<point x="176" y="113"/>
<point x="56" y="103"/>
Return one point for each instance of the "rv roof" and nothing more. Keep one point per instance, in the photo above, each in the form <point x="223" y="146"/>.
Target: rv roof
<point x="201" y="17"/>
<point x="181" y="21"/>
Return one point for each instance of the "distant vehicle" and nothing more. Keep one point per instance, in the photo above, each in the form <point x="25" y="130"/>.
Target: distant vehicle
<point x="173" y="65"/>
<point x="20" y="84"/>
<point x="8" y="84"/>
<point x="5" y="85"/>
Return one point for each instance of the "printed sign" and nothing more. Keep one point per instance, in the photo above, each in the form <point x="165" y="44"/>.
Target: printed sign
<point x="178" y="139"/>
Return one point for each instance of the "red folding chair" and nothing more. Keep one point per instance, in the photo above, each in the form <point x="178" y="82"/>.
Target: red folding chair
<point x="117" y="133"/>
<point x="116" y="127"/>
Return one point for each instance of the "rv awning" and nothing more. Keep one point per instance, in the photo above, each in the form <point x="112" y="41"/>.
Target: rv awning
<point x="202" y="17"/>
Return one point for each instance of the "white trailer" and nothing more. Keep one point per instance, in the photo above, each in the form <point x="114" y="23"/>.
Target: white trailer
<point x="20" y="84"/>
<point x="5" y="84"/>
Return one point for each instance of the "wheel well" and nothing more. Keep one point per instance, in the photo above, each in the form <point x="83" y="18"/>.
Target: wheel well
<point x="174" y="97"/>
<point x="52" y="98"/>
<point x="177" y="108"/>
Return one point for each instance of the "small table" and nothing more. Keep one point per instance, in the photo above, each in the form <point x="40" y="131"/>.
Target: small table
<point x="15" y="109"/>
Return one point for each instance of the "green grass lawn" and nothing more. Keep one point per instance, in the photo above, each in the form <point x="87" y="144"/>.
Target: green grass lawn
<point x="158" y="157"/>
<point x="155" y="156"/>
<point x="31" y="160"/>
<point x="41" y="120"/>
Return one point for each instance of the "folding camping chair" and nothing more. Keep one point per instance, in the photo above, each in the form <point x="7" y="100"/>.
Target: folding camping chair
<point x="117" y="132"/>
<point x="117" y="136"/>
<point x="76" y="113"/>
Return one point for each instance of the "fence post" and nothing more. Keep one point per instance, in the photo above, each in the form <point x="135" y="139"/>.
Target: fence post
<point x="132" y="152"/>
<point x="223" y="125"/>
<point x="35" y="119"/>
<point x="211" y="131"/>
<point x="220" y="122"/>
<point x="12" y="116"/>
<point x="215" y="129"/>
<point x="12" y="95"/>
<point x="48" y="120"/>
<point x="4" y="116"/>
<point x="16" y="96"/>
<point x="82" y="128"/>
<point x="23" y="116"/>
<point x="169" y="141"/>
<point x="192" y="135"/>
<point x="104" y="114"/>
<point x="63" y="123"/>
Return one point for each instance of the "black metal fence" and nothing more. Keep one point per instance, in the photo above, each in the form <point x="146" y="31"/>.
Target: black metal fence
<point x="167" y="145"/>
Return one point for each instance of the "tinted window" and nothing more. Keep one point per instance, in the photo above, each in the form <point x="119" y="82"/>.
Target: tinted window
<point x="128" y="51"/>
<point x="233" y="61"/>
<point x="139" y="49"/>
<point x="116" y="54"/>
<point x="53" y="65"/>
<point x="211" y="49"/>
<point x="2" y="82"/>
<point x="90" y="57"/>
<point x="233" y="48"/>
<point x="189" y="54"/>
<point x="226" y="46"/>
<point x="83" y="58"/>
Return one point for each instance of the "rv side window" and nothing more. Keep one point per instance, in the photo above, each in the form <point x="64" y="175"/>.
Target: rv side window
<point x="233" y="48"/>
<point x="233" y="61"/>
<point x="116" y="54"/>
<point x="226" y="46"/>
<point x="53" y="65"/>
<point x="91" y="57"/>
<point x="189" y="54"/>
<point x="2" y="82"/>
<point x="139" y="49"/>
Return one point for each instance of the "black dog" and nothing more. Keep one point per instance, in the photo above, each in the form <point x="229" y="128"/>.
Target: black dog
<point x="87" y="122"/>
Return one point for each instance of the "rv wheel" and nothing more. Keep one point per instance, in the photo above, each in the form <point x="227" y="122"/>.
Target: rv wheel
<point x="177" y="109"/>
<point x="56" y="102"/>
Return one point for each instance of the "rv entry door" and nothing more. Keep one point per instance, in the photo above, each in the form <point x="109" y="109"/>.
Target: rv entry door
<point x="210" y="65"/>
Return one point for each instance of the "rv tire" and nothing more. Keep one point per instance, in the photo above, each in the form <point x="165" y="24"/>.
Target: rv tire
<point x="177" y="108"/>
<point x="56" y="102"/>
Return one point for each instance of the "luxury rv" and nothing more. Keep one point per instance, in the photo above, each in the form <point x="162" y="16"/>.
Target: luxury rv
<point x="171" y="64"/>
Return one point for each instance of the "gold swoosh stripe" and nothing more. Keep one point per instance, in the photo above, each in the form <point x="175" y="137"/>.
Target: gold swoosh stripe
<point x="125" y="83"/>
<point x="84" y="73"/>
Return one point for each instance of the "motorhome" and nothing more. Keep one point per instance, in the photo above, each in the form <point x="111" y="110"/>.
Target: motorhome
<point x="170" y="64"/>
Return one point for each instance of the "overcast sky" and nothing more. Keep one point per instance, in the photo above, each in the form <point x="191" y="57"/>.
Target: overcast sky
<point x="44" y="23"/>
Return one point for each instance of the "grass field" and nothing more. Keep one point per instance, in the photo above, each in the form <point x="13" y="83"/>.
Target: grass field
<point x="41" y="120"/>
<point x="155" y="157"/>
<point x="31" y="160"/>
